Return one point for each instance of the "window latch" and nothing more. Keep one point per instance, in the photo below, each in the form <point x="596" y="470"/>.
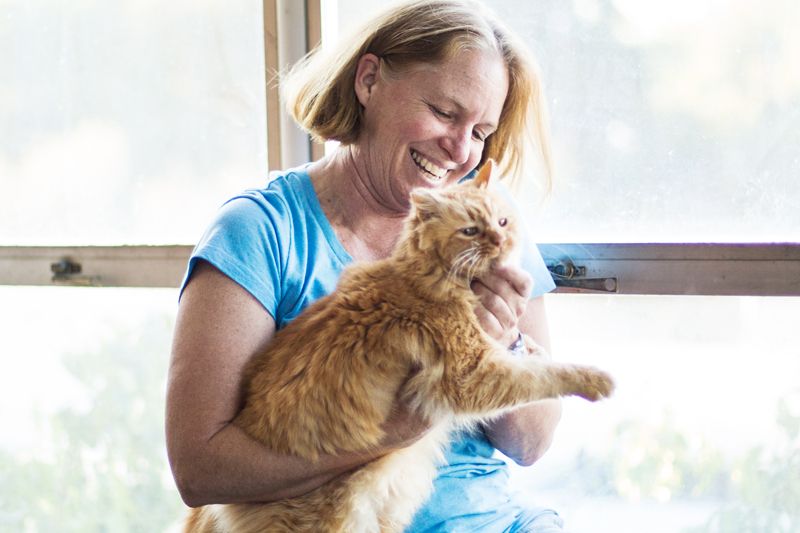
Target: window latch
<point x="568" y="275"/>
<point x="68" y="272"/>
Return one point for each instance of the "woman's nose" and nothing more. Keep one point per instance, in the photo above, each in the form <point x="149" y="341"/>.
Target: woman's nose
<point x="457" y="144"/>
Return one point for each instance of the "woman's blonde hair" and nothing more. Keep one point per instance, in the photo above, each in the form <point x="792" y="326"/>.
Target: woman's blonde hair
<point x="319" y="91"/>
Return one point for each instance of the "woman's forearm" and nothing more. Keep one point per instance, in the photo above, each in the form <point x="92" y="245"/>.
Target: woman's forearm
<point x="233" y="468"/>
<point x="526" y="433"/>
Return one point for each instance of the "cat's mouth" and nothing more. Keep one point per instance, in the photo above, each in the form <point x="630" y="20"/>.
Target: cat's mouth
<point x="435" y="172"/>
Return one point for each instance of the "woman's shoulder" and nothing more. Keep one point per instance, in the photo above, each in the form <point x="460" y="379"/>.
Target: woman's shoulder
<point x="284" y="205"/>
<point x="266" y="239"/>
<point x="284" y="190"/>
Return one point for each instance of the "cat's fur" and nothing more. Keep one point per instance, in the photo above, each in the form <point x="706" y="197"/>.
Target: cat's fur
<point x="402" y="327"/>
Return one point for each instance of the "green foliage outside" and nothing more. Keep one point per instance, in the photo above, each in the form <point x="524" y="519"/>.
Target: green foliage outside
<point x="757" y="492"/>
<point x="766" y="487"/>
<point x="107" y="471"/>
<point x="106" y="468"/>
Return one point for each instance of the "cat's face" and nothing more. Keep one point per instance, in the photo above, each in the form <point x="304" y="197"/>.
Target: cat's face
<point x="468" y="226"/>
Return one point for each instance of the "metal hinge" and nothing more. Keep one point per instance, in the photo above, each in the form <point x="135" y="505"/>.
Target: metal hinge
<point x="568" y="275"/>
<point x="68" y="272"/>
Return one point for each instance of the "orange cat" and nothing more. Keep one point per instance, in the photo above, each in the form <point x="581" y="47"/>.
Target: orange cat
<point x="329" y="379"/>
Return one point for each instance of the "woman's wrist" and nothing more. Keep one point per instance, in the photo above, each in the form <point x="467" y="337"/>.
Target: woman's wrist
<point x="518" y="346"/>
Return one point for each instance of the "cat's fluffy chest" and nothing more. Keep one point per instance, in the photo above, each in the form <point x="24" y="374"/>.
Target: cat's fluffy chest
<point x="389" y="287"/>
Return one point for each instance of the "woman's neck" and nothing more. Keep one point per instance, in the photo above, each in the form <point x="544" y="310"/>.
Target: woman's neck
<point x="364" y="226"/>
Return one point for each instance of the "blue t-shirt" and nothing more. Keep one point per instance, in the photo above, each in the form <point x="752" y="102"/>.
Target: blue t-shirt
<point x="277" y="244"/>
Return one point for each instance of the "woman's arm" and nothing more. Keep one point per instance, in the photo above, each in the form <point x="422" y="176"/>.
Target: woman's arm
<point x="219" y="327"/>
<point x="525" y="433"/>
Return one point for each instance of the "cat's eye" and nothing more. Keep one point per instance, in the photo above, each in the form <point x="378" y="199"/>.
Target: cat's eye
<point x="503" y="221"/>
<point x="470" y="231"/>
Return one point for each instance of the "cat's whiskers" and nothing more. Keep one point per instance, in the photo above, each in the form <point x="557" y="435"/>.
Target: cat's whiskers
<point x="458" y="263"/>
<point x="462" y="256"/>
<point x="473" y="265"/>
<point x="465" y="262"/>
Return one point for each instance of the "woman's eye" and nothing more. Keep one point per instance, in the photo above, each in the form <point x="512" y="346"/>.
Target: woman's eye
<point x="503" y="222"/>
<point x="440" y="113"/>
<point x="469" y="232"/>
<point x="478" y="136"/>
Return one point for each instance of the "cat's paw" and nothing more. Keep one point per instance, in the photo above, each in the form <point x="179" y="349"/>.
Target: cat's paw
<point x="596" y="385"/>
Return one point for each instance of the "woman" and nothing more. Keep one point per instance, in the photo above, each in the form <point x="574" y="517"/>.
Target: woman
<point x="419" y="99"/>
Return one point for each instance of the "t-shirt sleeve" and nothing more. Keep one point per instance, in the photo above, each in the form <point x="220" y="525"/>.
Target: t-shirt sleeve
<point x="533" y="263"/>
<point x="531" y="258"/>
<point x="245" y="242"/>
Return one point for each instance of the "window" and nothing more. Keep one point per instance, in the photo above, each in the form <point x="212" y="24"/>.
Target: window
<point x="124" y="122"/>
<point x="120" y="116"/>
<point x="82" y="401"/>
<point x="672" y="123"/>
<point x="127" y="123"/>
<point x="701" y="435"/>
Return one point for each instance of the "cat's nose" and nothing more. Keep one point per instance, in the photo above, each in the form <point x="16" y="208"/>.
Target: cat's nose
<point x="495" y="238"/>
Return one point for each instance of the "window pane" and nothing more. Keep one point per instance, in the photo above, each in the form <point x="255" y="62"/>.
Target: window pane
<point x="127" y="121"/>
<point x="82" y="386"/>
<point x="671" y="121"/>
<point x="703" y="428"/>
<point x="702" y="433"/>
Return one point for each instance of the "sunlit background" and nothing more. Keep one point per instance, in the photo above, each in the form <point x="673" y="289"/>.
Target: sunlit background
<point x="129" y="122"/>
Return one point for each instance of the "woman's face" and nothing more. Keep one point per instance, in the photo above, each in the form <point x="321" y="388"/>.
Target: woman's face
<point x="426" y="126"/>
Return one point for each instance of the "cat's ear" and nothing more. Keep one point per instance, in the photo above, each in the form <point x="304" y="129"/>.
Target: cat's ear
<point x="425" y="203"/>
<point x="484" y="177"/>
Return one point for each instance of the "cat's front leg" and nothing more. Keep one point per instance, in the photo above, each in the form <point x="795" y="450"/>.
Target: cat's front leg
<point x="501" y="381"/>
<point x="593" y="383"/>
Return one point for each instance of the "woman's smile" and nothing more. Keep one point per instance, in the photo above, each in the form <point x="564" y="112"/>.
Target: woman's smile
<point x="435" y="172"/>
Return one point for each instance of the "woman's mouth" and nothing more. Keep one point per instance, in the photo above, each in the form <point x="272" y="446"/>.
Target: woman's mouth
<point x="435" y="172"/>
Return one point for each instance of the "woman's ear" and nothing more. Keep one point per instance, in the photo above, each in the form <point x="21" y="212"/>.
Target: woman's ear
<point x="367" y="72"/>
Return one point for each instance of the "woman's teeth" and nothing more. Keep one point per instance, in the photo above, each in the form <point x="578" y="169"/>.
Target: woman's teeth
<point x="430" y="168"/>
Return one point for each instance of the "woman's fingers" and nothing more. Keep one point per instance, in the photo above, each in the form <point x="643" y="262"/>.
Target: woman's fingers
<point x="503" y="297"/>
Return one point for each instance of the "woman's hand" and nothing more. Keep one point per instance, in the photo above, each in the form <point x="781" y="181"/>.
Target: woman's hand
<point x="503" y="299"/>
<point x="525" y="433"/>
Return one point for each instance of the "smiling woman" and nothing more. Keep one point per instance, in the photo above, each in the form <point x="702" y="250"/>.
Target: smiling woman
<point x="410" y="136"/>
<point x="131" y="121"/>
<point x="411" y="104"/>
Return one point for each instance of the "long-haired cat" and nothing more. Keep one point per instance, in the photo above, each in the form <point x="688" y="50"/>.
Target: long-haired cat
<point x="329" y="379"/>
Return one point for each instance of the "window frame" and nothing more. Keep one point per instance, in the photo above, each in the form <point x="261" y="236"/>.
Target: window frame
<point x="756" y="269"/>
<point x="742" y="269"/>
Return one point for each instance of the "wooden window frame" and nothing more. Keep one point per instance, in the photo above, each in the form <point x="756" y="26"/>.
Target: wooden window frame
<point x="744" y="269"/>
<point x="655" y="269"/>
